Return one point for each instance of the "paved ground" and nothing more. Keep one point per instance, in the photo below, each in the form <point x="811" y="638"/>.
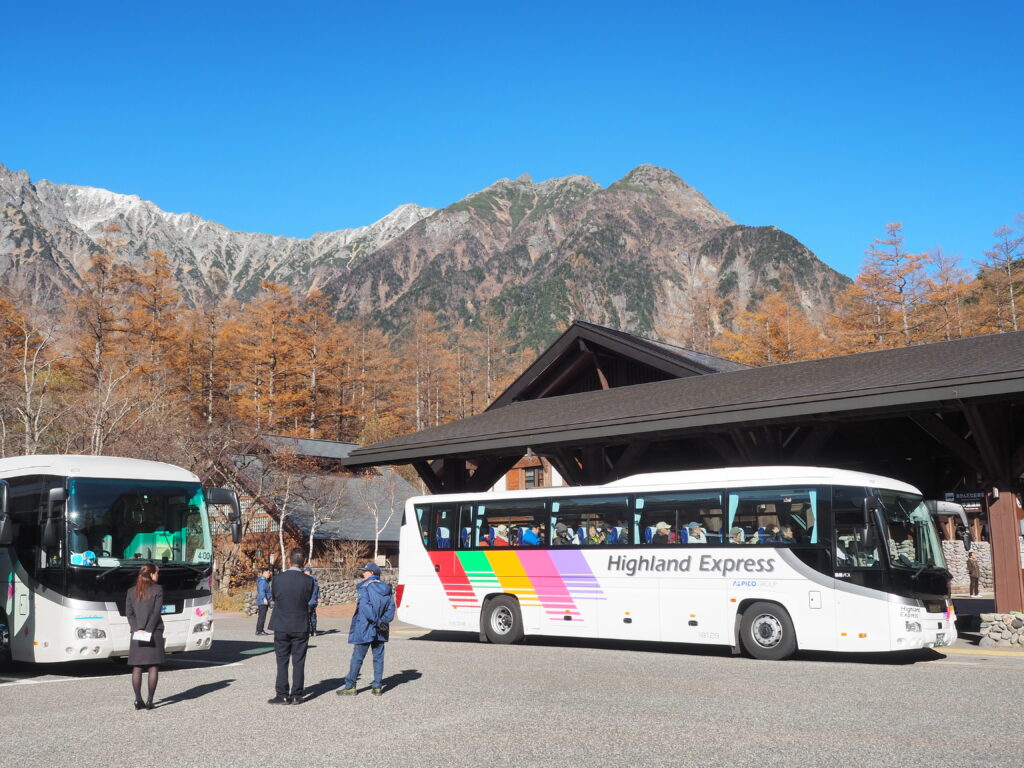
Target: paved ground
<point x="451" y="701"/>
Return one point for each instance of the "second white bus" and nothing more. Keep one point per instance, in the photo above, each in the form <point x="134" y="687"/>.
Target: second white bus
<point x="767" y="559"/>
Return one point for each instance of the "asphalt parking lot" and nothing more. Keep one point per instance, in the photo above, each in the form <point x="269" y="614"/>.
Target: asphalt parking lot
<point x="452" y="701"/>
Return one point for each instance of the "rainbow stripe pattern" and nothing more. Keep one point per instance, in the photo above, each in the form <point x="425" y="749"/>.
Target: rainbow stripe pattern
<point x="556" y="580"/>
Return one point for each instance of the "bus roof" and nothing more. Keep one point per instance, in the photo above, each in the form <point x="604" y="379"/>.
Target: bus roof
<point x="705" y="478"/>
<point x="93" y="466"/>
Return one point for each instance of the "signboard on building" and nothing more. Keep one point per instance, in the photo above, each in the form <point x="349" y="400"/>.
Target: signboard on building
<point x="971" y="500"/>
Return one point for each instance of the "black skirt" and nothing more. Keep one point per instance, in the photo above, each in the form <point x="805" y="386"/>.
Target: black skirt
<point x="147" y="654"/>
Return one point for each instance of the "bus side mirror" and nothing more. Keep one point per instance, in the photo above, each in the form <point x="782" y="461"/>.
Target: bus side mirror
<point x="227" y="497"/>
<point x="6" y="524"/>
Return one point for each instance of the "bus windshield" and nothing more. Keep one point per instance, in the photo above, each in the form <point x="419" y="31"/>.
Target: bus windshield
<point x="913" y="540"/>
<point x="116" y="522"/>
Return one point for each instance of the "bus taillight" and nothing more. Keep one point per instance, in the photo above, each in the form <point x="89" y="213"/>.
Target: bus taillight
<point x="399" y="590"/>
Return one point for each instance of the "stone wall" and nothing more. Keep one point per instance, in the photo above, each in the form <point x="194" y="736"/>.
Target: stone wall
<point x="1002" y="629"/>
<point x="956" y="562"/>
<point x="331" y="592"/>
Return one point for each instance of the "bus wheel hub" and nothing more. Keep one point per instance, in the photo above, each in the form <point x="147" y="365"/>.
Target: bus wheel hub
<point x="767" y="630"/>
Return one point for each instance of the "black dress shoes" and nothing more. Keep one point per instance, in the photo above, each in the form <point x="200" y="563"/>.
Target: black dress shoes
<point x="140" y="704"/>
<point x="295" y="700"/>
<point x="279" y="700"/>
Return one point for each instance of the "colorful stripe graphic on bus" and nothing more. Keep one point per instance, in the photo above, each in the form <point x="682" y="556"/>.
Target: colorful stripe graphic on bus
<point x="555" y="580"/>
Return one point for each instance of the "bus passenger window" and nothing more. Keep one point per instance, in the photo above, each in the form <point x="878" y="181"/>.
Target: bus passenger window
<point x="679" y="518"/>
<point x="596" y="520"/>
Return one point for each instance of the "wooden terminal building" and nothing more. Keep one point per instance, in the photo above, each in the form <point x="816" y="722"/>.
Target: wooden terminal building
<point x="601" y="404"/>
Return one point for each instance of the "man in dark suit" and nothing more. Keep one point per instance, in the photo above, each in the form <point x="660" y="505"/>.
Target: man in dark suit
<point x="292" y="590"/>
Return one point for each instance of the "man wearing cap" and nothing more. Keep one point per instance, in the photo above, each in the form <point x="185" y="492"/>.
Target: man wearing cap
<point x="369" y="628"/>
<point x="695" y="534"/>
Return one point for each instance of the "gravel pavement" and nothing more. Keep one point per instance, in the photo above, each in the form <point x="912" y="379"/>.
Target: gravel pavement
<point x="452" y="701"/>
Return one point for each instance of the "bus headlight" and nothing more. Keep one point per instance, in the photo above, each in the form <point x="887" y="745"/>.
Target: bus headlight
<point x="203" y="626"/>
<point x="913" y="626"/>
<point x="91" y="633"/>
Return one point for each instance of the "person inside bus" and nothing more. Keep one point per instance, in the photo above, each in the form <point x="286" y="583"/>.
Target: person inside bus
<point x="662" y="533"/>
<point x="500" y="537"/>
<point x="695" y="534"/>
<point x="595" y="536"/>
<point x="563" y="536"/>
<point x="531" y="536"/>
<point x="772" y="534"/>
<point x="786" y="535"/>
<point x="736" y="535"/>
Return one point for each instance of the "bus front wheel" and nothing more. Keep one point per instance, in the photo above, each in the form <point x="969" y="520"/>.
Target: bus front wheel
<point x="503" y="622"/>
<point x="766" y="632"/>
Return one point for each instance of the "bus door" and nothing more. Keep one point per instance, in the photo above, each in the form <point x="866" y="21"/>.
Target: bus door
<point x="862" y="616"/>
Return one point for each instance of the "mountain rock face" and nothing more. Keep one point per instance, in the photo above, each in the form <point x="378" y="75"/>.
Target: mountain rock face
<point x="631" y="256"/>
<point x="48" y="233"/>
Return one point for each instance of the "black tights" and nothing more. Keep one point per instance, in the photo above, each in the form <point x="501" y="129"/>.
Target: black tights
<point x="154" y="675"/>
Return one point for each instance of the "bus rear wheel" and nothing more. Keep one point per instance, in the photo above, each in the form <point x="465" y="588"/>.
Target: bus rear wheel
<point x="767" y="633"/>
<point x="503" y="623"/>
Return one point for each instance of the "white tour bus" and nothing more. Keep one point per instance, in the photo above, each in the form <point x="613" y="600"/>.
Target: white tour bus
<point x="770" y="559"/>
<point x="74" y="531"/>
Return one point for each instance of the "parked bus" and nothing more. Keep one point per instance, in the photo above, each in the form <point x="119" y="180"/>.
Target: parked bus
<point x="74" y="532"/>
<point x="770" y="559"/>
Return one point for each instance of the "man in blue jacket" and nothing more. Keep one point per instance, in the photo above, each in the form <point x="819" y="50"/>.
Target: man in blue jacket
<point x="314" y="601"/>
<point x="263" y="598"/>
<point x="369" y="628"/>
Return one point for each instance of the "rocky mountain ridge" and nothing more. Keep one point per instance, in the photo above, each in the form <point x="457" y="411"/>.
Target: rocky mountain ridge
<point x="635" y="255"/>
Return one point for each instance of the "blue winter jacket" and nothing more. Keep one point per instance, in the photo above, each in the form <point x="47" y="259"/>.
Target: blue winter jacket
<point x="315" y="597"/>
<point x="374" y="607"/>
<point x="263" y="591"/>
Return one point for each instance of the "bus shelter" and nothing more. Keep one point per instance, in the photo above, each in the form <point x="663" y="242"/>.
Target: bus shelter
<point x="601" y="404"/>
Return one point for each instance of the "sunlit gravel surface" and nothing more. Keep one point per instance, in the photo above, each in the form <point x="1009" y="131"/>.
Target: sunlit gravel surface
<point x="452" y="701"/>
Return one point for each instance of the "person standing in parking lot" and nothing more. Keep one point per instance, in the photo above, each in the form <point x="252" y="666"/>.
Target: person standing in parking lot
<point x="314" y="601"/>
<point x="369" y="628"/>
<point x="263" y="597"/>
<point x="290" y="624"/>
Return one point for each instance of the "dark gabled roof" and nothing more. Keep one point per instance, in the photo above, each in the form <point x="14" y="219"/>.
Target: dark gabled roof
<point x="305" y="446"/>
<point x="907" y="377"/>
<point x="670" y="361"/>
<point x="355" y="494"/>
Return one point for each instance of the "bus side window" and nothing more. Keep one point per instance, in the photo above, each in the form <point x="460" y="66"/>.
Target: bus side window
<point x="423" y="522"/>
<point x="444" y="523"/>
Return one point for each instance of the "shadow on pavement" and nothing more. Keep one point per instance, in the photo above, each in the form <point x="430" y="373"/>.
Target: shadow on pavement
<point x="324" y="686"/>
<point x="895" y="658"/>
<point x="193" y="693"/>
<point x="405" y="676"/>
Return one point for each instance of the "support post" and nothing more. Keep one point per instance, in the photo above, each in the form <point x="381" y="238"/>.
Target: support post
<point x="1004" y="532"/>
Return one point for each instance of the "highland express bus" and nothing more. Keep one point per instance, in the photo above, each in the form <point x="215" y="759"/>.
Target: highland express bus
<point x="768" y="559"/>
<point x="74" y="532"/>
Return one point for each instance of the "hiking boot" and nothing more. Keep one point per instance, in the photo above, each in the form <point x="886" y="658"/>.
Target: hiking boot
<point x="378" y="691"/>
<point x="347" y="691"/>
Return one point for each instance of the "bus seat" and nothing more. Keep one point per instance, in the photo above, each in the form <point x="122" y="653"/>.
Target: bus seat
<point x="648" y="534"/>
<point x="762" y="536"/>
<point x="612" y="537"/>
<point x="520" y="533"/>
<point x="618" y="533"/>
<point x="464" y="538"/>
<point x="684" y="535"/>
<point x="581" y="536"/>
<point x="443" y="537"/>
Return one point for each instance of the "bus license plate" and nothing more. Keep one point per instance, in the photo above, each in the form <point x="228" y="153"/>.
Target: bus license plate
<point x="940" y="638"/>
<point x="166" y="609"/>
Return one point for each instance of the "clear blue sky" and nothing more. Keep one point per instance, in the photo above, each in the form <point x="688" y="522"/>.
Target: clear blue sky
<point x="825" y="119"/>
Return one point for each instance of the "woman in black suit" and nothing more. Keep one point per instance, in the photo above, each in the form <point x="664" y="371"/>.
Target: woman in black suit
<point x="144" y="602"/>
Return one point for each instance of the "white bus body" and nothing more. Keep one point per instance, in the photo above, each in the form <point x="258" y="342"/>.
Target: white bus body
<point x="78" y="529"/>
<point x="846" y="578"/>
